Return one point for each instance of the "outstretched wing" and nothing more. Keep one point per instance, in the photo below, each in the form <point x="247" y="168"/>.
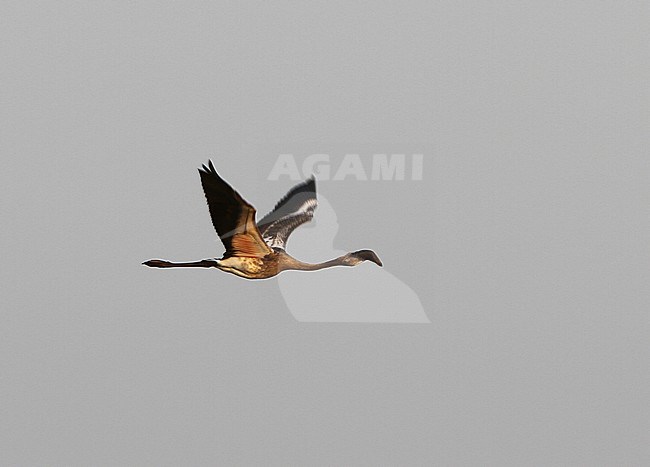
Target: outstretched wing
<point x="233" y="218"/>
<point x="296" y="208"/>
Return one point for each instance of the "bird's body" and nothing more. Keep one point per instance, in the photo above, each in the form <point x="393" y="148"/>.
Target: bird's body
<point x="257" y="250"/>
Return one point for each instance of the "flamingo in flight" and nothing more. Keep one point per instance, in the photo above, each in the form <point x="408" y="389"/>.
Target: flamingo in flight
<point x="256" y="250"/>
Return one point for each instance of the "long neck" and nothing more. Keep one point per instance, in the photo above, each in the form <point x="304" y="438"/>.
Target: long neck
<point x="291" y="263"/>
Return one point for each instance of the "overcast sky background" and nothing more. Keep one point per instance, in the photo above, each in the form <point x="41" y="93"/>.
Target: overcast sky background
<point x="526" y="240"/>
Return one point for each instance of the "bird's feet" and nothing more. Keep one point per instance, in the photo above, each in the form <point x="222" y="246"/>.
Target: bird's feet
<point x="157" y="263"/>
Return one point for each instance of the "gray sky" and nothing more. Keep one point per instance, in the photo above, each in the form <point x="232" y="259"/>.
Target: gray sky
<point x="526" y="241"/>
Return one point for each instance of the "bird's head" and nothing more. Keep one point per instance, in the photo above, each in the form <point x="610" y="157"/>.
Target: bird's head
<point x="356" y="257"/>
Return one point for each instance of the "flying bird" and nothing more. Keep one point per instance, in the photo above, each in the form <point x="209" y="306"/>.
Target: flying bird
<point x="257" y="250"/>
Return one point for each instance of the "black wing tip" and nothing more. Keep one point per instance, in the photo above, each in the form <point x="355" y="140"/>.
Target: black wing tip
<point x="311" y="182"/>
<point x="292" y="201"/>
<point x="308" y="186"/>
<point x="209" y="168"/>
